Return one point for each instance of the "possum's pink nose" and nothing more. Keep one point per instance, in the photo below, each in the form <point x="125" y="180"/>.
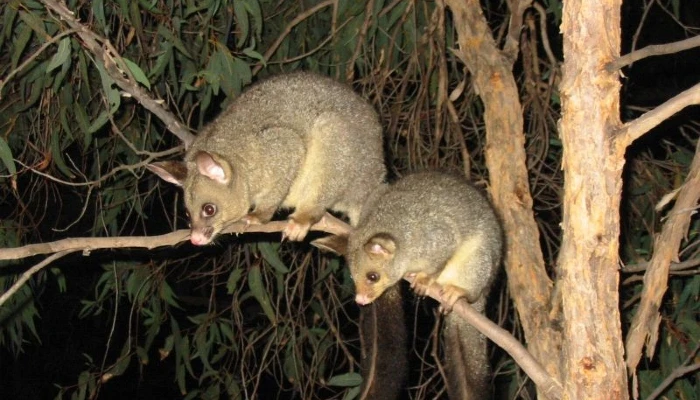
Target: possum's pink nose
<point x="198" y="239"/>
<point x="362" y="299"/>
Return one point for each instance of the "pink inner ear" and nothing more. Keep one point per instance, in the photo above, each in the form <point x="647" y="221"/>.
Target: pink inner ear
<point x="377" y="248"/>
<point x="208" y="167"/>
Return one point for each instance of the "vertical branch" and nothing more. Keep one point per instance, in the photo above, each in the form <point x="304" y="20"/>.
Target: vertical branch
<point x="593" y="362"/>
<point x="530" y="286"/>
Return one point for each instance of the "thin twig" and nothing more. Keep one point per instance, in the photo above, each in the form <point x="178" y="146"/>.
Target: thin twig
<point x="296" y="21"/>
<point x="678" y="372"/>
<point x="114" y="171"/>
<point x="632" y="130"/>
<point x="30" y="272"/>
<point x="653" y="50"/>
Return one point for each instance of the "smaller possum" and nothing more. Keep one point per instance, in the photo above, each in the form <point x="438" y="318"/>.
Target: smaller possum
<point x="435" y="227"/>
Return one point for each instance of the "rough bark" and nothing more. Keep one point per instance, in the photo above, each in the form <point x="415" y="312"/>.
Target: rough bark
<point x="592" y="361"/>
<point x="644" y="328"/>
<point x="529" y="284"/>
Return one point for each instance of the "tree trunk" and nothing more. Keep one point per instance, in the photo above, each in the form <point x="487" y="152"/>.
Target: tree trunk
<point x="593" y="365"/>
<point x="529" y="284"/>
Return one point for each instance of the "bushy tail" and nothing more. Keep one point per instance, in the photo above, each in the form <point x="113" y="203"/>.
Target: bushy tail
<point x="384" y="353"/>
<point x="466" y="360"/>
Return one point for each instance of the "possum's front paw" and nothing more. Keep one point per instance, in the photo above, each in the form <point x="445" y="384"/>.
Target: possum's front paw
<point x="421" y="282"/>
<point x="295" y="230"/>
<point x="450" y="294"/>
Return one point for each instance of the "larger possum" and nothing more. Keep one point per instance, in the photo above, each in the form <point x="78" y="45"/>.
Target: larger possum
<point x="299" y="140"/>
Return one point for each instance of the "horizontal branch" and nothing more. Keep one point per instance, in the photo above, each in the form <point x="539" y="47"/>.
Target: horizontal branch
<point x="634" y="129"/>
<point x="328" y="224"/>
<point x="653" y="50"/>
<point x="545" y="383"/>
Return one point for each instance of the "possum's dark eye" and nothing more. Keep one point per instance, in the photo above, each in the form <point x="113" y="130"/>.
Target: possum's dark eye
<point x="373" y="277"/>
<point x="208" y="210"/>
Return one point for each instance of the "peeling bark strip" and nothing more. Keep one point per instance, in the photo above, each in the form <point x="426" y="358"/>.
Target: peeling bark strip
<point x="593" y="362"/>
<point x="646" y="321"/>
<point x="529" y="284"/>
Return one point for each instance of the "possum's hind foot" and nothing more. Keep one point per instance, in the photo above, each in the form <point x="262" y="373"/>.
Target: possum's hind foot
<point x="295" y="231"/>
<point x="300" y="222"/>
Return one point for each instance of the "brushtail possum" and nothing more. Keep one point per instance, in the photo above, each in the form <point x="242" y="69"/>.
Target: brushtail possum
<point x="299" y="140"/>
<point x="435" y="227"/>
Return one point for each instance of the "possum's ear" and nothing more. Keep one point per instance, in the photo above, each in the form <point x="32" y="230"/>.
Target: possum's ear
<point x="174" y="172"/>
<point x="213" y="167"/>
<point x="381" y="245"/>
<point x="333" y="243"/>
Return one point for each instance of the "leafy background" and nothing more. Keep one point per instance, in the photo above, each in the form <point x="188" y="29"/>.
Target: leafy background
<point x="248" y="317"/>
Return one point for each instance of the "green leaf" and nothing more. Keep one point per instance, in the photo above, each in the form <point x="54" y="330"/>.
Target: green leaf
<point x="6" y="157"/>
<point x="62" y="55"/>
<point x="253" y="7"/>
<point x="162" y="60"/>
<point x="175" y="41"/>
<point x="60" y="279"/>
<point x="239" y="10"/>
<point x="226" y="330"/>
<point x="350" y="379"/>
<point x="270" y="253"/>
<point x="243" y="73"/>
<point x="167" y="294"/>
<point x="98" y="11"/>
<point x="35" y="23"/>
<point x="255" y="55"/>
<point x="57" y="154"/>
<point x="83" y="123"/>
<point x="123" y="361"/>
<point x="137" y="72"/>
<point x="8" y="21"/>
<point x="167" y="347"/>
<point x="352" y="393"/>
<point x="108" y="86"/>
<point x="142" y="355"/>
<point x="255" y="284"/>
<point x="221" y="67"/>
<point x="331" y="267"/>
<point x="180" y="377"/>
<point x="233" y="279"/>
<point x="23" y="36"/>
<point x="233" y="390"/>
<point x="213" y="392"/>
<point x="292" y="364"/>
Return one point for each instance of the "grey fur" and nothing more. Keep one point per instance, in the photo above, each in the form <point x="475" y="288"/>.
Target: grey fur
<point x="422" y="224"/>
<point x="297" y="140"/>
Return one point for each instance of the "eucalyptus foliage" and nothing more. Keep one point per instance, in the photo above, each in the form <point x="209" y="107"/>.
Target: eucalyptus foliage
<point x="250" y="317"/>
